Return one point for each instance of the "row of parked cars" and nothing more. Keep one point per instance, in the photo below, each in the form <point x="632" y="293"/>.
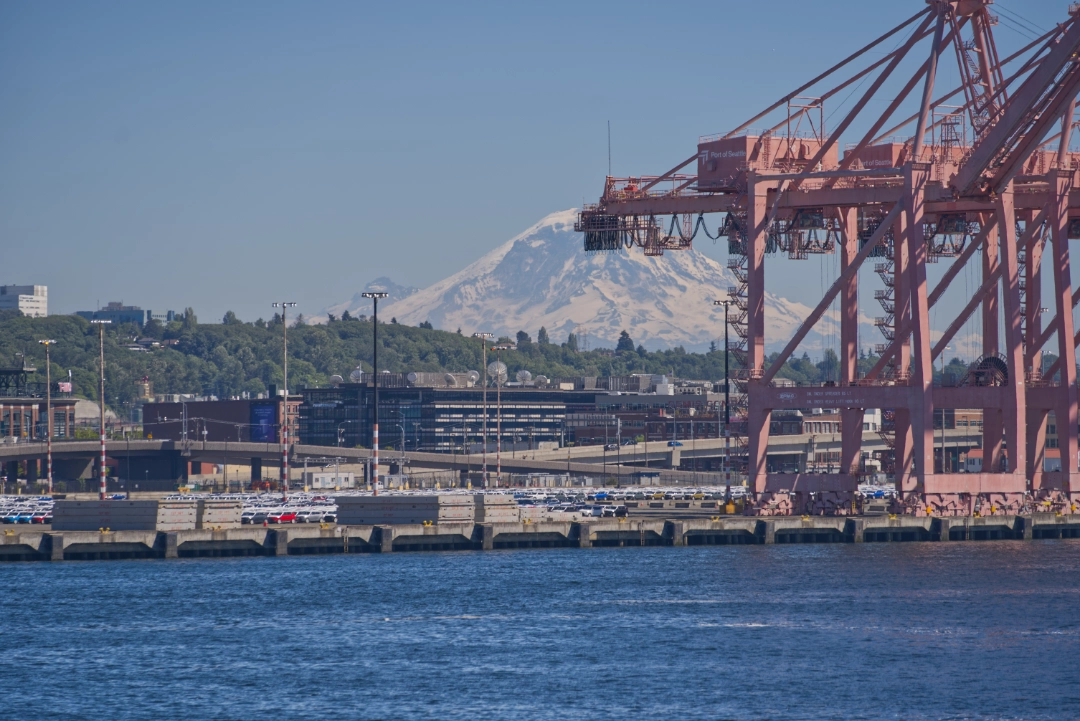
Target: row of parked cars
<point x="594" y="511"/>
<point x="24" y="510"/>
<point x="288" y="515"/>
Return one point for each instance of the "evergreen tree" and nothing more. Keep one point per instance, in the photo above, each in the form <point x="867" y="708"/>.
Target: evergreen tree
<point x="625" y="344"/>
<point x="154" y="329"/>
<point x="523" y="339"/>
<point x="571" y="342"/>
<point x="331" y="318"/>
<point x="542" y="336"/>
<point x="426" y="324"/>
<point x="190" y="321"/>
<point x="231" y="319"/>
<point x="346" y="316"/>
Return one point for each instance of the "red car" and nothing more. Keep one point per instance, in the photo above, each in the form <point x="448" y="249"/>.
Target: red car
<point x="282" y="517"/>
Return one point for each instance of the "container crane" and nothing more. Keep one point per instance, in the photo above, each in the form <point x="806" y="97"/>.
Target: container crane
<point x="979" y="181"/>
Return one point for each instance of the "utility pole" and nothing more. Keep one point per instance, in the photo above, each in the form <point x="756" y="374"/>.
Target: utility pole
<point x="375" y="365"/>
<point x="483" y="343"/>
<point x="943" y="468"/>
<point x="48" y="412"/>
<point x="101" y="397"/>
<point x="285" y="406"/>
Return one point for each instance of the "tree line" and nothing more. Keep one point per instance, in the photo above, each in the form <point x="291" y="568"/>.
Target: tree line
<point x="232" y="357"/>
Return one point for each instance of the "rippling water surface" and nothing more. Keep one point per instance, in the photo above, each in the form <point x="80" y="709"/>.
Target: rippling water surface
<point x="905" y="631"/>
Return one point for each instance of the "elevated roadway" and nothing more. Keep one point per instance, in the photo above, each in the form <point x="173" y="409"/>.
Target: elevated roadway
<point x="168" y="457"/>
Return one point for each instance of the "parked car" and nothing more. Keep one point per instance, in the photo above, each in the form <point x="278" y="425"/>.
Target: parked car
<point x="673" y="444"/>
<point x="25" y="517"/>
<point x="611" y="447"/>
<point x="40" y="517"/>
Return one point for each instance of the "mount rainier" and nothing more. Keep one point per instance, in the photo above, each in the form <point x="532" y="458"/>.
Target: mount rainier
<point x="543" y="277"/>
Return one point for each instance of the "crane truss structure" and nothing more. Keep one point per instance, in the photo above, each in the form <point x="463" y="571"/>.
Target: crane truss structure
<point x="988" y="179"/>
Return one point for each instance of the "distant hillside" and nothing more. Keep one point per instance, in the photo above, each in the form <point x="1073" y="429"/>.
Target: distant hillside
<point x="229" y="358"/>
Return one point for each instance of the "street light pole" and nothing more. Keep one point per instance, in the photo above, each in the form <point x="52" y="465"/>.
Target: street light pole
<point x="48" y="412"/>
<point x="483" y="343"/>
<point x="285" y="414"/>
<point x="727" y="397"/>
<point x="101" y="358"/>
<point x="618" y="450"/>
<point x="375" y="365"/>
<point x="498" y="409"/>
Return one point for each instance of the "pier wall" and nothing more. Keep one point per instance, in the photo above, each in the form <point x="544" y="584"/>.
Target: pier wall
<point x="292" y="540"/>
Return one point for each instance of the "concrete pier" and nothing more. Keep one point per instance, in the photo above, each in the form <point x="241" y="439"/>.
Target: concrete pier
<point x="19" y="544"/>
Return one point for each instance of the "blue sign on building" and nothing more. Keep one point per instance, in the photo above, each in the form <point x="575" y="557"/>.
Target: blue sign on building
<point x="264" y="423"/>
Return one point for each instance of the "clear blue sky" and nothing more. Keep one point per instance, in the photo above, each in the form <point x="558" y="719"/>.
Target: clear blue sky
<point x="222" y="155"/>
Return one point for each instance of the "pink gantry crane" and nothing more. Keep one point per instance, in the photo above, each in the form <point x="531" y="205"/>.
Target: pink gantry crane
<point x="985" y="176"/>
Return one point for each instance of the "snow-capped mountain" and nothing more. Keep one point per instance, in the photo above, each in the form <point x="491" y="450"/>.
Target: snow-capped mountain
<point x="543" y="277"/>
<point x="354" y="304"/>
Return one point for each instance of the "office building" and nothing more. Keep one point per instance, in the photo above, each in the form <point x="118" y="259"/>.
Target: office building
<point x="119" y="313"/>
<point x="31" y="300"/>
<point x="444" y="420"/>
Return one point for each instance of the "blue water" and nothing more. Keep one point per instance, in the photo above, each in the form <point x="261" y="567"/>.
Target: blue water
<point x="905" y="631"/>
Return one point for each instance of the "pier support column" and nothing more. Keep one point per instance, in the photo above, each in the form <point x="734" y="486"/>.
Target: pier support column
<point x="1022" y="528"/>
<point x="56" y="546"/>
<point x="769" y="536"/>
<point x="583" y="533"/>
<point x="279" y="542"/>
<point x="256" y="469"/>
<point x="856" y="528"/>
<point x="385" y="538"/>
<point x="487" y="537"/>
<point x="172" y="540"/>
<point x="677" y="531"/>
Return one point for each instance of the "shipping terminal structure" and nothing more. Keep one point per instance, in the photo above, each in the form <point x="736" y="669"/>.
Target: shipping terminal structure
<point x="980" y="173"/>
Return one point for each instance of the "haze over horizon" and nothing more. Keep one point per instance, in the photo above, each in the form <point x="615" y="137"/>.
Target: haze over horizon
<point x="226" y="156"/>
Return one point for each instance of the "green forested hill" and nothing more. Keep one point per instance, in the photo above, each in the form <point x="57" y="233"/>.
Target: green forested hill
<point x="227" y="358"/>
